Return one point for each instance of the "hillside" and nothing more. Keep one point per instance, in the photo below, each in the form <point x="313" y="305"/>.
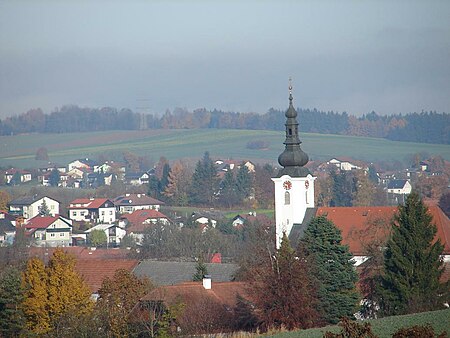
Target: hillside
<point x="174" y="144"/>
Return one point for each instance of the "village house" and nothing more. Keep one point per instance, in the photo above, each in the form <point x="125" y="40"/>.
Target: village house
<point x="129" y="203"/>
<point x="23" y="176"/>
<point x="139" y="220"/>
<point x="84" y="163"/>
<point x="92" y="210"/>
<point x="49" y="231"/>
<point x="139" y="178"/>
<point x="114" y="233"/>
<point x="29" y="207"/>
<point x="7" y="228"/>
<point x="346" y="165"/>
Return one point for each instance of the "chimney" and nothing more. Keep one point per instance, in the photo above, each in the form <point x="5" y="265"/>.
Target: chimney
<point x="207" y="282"/>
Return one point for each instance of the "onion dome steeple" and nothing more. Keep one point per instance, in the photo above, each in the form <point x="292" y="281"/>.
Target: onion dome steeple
<point x="293" y="158"/>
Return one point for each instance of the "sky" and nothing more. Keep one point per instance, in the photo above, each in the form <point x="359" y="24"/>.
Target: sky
<point x="150" y="56"/>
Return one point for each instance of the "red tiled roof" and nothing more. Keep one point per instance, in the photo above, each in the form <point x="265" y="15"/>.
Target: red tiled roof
<point x="94" y="271"/>
<point x="193" y="292"/>
<point x="138" y="217"/>
<point x="41" y="222"/>
<point x="359" y="225"/>
<point x="94" y="203"/>
<point x="80" y="252"/>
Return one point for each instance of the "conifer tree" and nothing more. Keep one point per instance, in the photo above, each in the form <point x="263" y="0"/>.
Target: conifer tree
<point x="200" y="271"/>
<point x="243" y="182"/>
<point x="333" y="269"/>
<point x="204" y="182"/>
<point x="43" y="209"/>
<point x="11" y="315"/>
<point x="412" y="263"/>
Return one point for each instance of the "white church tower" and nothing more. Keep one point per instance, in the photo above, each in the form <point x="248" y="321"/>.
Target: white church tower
<point x="294" y="184"/>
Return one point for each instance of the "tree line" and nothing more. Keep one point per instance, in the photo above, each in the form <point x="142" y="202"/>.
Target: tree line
<point x="424" y="127"/>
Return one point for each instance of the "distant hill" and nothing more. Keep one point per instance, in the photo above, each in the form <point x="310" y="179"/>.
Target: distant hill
<point x="424" y="127"/>
<point x="20" y="150"/>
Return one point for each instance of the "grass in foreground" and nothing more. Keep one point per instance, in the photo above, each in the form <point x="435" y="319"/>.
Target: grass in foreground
<point x="384" y="327"/>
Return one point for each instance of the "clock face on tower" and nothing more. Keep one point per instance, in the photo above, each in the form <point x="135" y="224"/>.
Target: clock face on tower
<point x="287" y="185"/>
<point x="306" y="184"/>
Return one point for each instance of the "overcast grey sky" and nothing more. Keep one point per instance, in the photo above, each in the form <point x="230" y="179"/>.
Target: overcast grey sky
<point x="354" y="56"/>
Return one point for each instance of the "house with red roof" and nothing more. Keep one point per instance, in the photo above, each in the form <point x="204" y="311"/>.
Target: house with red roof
<point x="92" y="210"/>
<point x="49" y="231"/>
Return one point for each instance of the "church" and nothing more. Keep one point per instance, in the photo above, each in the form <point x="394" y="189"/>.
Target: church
<point x="295" y="205"/>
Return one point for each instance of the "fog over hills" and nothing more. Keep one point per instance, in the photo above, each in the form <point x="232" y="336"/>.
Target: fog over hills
<point x="149" y="56"/>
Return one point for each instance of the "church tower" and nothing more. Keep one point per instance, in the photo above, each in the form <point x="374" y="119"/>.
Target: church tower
<point x="294" y="184"/>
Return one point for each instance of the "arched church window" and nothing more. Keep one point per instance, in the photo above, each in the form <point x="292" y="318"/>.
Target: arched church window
<point x="287" y="198"/>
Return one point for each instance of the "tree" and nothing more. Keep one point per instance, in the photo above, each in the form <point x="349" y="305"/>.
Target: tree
<point x="201" y="271"/>
<point x="204" y="182"/>
<point x="67" y="291"/>
<point x="178" y="185"/>
<point x="35" y="297"/>
<point x="117" y="297"/>
<point x="54" y="177"/>
<point x="5" y="198"/>
<point x="54" y="293"/>
<point x="41" y="154"/>
<point x="16" y="179"/>
<point x="412" y="263"/>
<point x="282" y="292"/>
<point x="228" y="191"/>
<point x="11" y="315"/>
<point x="243" y="183"/>
<point x="97" y="238"/>
<point x="333" y="269"/>
<point x="364" y="189"/>
<point x="43" y="209"/>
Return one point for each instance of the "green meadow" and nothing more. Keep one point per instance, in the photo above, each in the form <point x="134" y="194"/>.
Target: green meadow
<point x="384" y="327"/>
<point x="20" y="150"/>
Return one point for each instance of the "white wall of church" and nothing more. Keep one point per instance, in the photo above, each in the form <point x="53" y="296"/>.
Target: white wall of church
<point x="293" y="195"/>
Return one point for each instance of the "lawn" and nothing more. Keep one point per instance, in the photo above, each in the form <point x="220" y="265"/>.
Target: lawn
<point x="385" y="327"/>
<point x="19" y="150"/>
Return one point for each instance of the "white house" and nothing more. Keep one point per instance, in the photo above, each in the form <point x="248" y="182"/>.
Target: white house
<point x="137" y="178"/>
<point x="84" y="163"/>
<point x="95" y="210"/>
<point x="343" y="164"/>
<point x="29" y="207"/>
<point x="7" y="228"/>
<point x="129" y="203"/>
<point x="401" y="187"/>
<point x="25" y="176"/>
<point x="49" y="231"/>
<point x="138" y="221"/>
<point x="113" y="232"/>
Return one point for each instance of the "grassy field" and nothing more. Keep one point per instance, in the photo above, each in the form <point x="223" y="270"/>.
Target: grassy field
<point x="20" y="150"/>
<point x="385" y="327"/>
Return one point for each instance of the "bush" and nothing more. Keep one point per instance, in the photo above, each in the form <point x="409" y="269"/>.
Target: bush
<point x="418" y="331"/>
<point x="352" y="329"/>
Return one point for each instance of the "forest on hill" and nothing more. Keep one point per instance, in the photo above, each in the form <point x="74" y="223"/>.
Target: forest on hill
<point x="424" y="127"/>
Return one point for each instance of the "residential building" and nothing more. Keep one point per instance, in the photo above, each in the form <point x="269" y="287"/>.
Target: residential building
<point x="49" y="231"/>
<point x="92" y="210"/>
<point x="29" y="207"/>
<point x="129" y="203"/>
<point x="137" y="178"/>
<point x="7" y="228"/>
<point x="113" y="232"/>
<point x="138" y="221"/>
<point x="23" y="176"/>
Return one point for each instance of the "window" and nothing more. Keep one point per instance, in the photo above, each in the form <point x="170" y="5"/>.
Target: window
<point x="103" y="213"/>
<point x="306" y="197"/>
<point x="52" y="235"/>
<point x="61" y="234"/>
<point x="74" y="213"/>
<point x="287" y="198"/>
<point x="111" y="212"/>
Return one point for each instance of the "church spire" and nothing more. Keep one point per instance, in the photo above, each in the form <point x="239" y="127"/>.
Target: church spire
<point x="293" y="158"/>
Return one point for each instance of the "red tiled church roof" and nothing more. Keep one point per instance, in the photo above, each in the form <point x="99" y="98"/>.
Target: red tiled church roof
<point x="361" y="225"/>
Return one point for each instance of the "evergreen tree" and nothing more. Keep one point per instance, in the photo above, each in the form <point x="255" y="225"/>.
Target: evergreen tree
<point x="204" y="182"/>
<point x="201" y="271"/>
<point x="333" y="269"/>
<point x="283" y="292"/>
<point x="243" y="183"/>
<point x="43" y="209"/>
<point x="342" y="189"/>
<point x="412" y="263"/>
<point x="53" y="178"/>
<point x="153" y="187"/>
<point x="228" y="191"/>
<point x="11" y="316"/>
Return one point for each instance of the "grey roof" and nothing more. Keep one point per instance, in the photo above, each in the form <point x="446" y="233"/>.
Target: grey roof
<point x="6" y="226"/>
<point x="171" y="273"/>
<point x="397" y="184"/>
<point x="136" y="199"/>
<point x="299" y="228"/>
<point x="27" y="200"/>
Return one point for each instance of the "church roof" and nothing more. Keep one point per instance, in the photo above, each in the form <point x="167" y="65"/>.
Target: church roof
<point x="293" y="158"/>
